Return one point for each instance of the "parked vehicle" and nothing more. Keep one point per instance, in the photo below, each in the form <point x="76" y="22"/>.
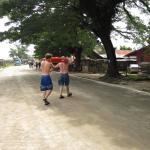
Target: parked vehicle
<point x="133" y="68"/>
<point x="17" y="62"/>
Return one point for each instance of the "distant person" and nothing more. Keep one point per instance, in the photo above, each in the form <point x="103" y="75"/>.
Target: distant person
<point x="46" y="84"/>
<point x="37" y="65"/>
<point x="64" y="75"/>
<point x="31" y="64"/>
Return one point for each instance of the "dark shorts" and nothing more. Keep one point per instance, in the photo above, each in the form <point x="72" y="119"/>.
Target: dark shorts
<point x="64" y="79"/>
<point x="46" y="83"/>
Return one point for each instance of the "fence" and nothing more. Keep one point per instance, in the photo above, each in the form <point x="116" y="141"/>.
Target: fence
<point x="94" y="66"/>
<point x="100" y="65"/>
<point x="4" y="63"/>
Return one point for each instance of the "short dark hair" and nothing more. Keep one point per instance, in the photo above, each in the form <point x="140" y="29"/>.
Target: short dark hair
<point x="48" y="55"/>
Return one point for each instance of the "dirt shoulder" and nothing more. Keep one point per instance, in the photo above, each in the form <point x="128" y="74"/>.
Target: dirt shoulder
<point x="142" y="84"/>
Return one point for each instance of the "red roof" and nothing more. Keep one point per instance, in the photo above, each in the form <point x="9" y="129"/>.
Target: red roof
<point x="123" y="52"/>
<point x="139" y="50"/>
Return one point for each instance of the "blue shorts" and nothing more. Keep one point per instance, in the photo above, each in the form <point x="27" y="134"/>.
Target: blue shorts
<point x="46" y="83"/>
<point x="64" y="79"/>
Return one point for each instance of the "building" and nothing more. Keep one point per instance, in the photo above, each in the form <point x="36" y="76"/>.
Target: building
<point x="120" y="54"/>
<point x="142" y="55"/>
<point x="98" y="62"/>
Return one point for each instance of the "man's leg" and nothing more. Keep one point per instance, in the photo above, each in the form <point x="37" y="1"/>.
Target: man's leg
<point x="48" y="92"/>
<point x="67" y="89"/>
<point x="67" y="80"/>
<point x="61" y="91"/>
<point x="68" y="92"/>
<point x="45" y="96"/>
<point x="44" y="93"/>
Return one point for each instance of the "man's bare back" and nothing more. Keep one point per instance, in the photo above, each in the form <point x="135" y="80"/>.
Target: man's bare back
<point x="64" y="76"/>
<point x="46" y="84"/>
<point x="63" y="67"/>
<point x="46" y="67"/>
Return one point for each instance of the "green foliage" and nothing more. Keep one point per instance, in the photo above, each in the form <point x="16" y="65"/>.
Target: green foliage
<point x="48" y="28"/>
<point x="19" y="51"/>
<point x="87" y="41"/>
<point x="125" y="48"/>
<point x="60" y="18"/>
<point x="139" y="29"/>
<point x="136" y="77"/>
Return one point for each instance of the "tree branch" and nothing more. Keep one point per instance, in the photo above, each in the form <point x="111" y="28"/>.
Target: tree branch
<point x="123" y="33"/>
<point x="127" y="13"/>
<point x="145" y="4"/>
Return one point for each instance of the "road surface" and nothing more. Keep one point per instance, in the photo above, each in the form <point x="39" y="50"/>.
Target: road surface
<point x="97" y="117"/>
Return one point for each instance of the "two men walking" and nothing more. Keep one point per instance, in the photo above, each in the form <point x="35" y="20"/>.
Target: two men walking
<point x="46" y="84"/>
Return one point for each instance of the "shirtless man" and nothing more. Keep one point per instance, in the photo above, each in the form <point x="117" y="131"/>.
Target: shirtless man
<point x="46" y="84"/>
<point x="64" y="76"/>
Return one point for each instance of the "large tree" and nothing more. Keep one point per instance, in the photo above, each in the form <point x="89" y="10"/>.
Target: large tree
<point x="100" y="16"/>
<point x="37" y="18"/>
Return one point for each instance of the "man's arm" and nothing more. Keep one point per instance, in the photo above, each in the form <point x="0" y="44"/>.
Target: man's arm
<point x="41" y="65"/>
<point x="56" y="66"/>
<point x="51" y="67"/>
<point x="71" y="59"/>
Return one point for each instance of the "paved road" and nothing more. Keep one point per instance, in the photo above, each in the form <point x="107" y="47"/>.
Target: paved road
<point x="97" y="117"/>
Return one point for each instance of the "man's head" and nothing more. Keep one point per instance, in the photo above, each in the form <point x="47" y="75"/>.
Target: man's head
<point x="62" y="57"/>
<point x="48" y="56"/>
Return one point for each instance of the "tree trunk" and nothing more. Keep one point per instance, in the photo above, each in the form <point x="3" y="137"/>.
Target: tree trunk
<point x="78" y="52"/>
<point x="112" y="70"/>
<point x="102" y="13"/>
